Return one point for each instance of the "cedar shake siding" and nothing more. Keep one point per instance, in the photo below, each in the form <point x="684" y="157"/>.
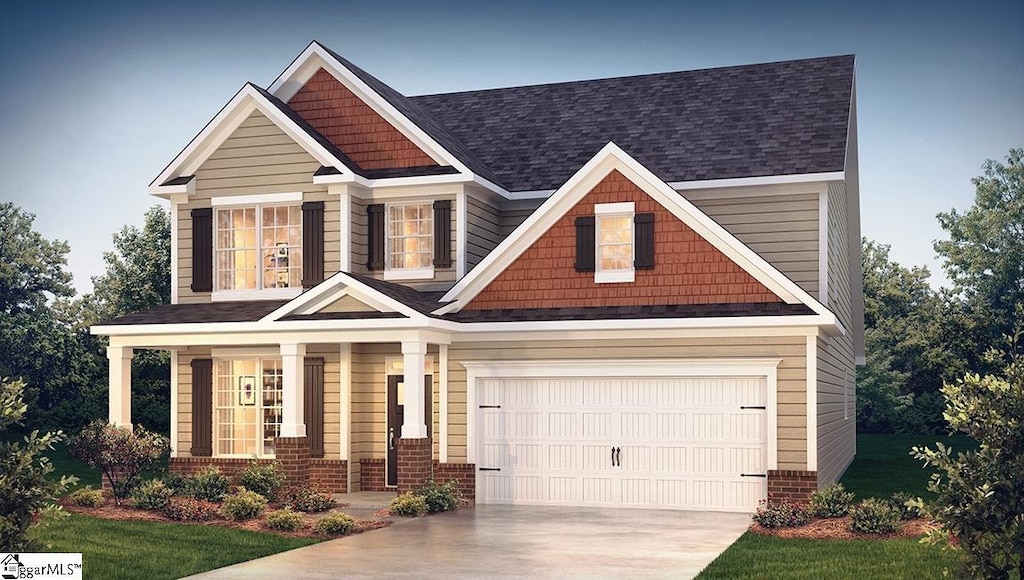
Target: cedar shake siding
<point x="688" y="270"/>
<point x="355" y="128"/>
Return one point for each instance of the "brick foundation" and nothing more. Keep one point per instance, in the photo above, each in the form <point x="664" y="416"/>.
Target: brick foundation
<point x="414" y="463"/>
<point x="331" y="473"/>
<point x="372" y="475"/>
<point x="792" y="485"/>
<point x="293" y="455"/>
<point x="464" y="473"/>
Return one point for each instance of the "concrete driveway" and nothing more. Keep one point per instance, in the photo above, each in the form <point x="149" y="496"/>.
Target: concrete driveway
<point x="491" y="541"/>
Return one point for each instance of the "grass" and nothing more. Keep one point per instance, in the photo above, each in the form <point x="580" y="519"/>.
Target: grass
<point x="133" y="549"/>
<point x="884" y="465"/>
<point x="754" y="556"/>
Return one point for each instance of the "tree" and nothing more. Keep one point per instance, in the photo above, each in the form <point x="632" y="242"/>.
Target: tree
<point x="984" y="255"/>
<point x="980" y="492"/>
<point x="32" y="268"/>
<point x="27" y="495"/>
<point x="119" y="452"/>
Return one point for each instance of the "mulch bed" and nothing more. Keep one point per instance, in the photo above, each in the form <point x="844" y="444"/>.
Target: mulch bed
<point x="839" y="529"/>
<point x="110" y="511"/>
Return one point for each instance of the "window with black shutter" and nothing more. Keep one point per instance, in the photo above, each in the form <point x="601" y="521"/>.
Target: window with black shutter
<point x="202" y="249"/>
<point x="312" y="243"/>
<point x="643" y="235"/>
<point x="585" y="243"/>
<point x="442" y="233"/>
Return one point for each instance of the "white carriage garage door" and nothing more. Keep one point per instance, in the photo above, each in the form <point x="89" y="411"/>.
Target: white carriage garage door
<point x="658" y="443"/>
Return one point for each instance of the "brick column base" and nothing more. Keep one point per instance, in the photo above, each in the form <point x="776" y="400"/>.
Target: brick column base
<point x="792" y="485"/>
<point x="464" y="473"/>
<point x="414" y="463"/>
<point x="293" y="455"/>
<point x="371" y="474"/>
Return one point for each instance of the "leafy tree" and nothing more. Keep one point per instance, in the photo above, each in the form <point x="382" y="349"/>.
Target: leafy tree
<point x="27" y="495"/>
<point x="980" y="493"/>
<point x="32" y="268"/>
<point x="119" y="452"/>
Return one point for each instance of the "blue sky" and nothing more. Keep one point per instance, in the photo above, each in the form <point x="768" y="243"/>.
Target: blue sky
<point x="101" y="96"/>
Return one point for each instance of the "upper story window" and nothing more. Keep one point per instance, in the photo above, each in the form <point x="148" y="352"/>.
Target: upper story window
<point x="614" y="247"/>
<point x="410" y="240"/>
<point x="258" y="247"/>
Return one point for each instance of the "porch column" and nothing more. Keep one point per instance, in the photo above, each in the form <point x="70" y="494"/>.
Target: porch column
<point x="293" y="408"/>
<point x="414" y="353"/>
<point x="120" y="390"/>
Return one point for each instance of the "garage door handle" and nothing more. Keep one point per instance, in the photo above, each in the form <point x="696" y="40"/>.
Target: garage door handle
<point x="490" y="406"/>
<point x="762" y="407"/>
<point x="753" y="475"/>
<point x="616" y="457"/>
<point x="489" y="469"/>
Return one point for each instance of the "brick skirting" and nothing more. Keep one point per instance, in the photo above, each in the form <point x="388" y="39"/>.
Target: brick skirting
<point x="414" y="463"/>
<point x="331" y="473"/>
<point x="464" y="473"/>
<point x="372" y="474"/>
<point x="791" y="485"/>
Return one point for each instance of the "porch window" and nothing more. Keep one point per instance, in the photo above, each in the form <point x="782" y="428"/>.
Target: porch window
<point x="247" y="406"/>
<point x="410" y="241"/>
<point x="258" y="247"/>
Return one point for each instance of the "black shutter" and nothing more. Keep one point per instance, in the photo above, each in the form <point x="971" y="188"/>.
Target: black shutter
<point x="202" y="407"/>
<point x="202" y="249"/>
<point x="375" y="237"/>
<point x="312" y="243"/>
<point x="643" y="237"/>
<point x="313" y="375"/>
<point x="443" y="233"/>
<point x="585" y="244"/>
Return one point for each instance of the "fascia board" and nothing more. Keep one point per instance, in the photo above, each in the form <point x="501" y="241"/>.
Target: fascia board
<point x="737" y="322"/>
<point x="266" y="327"/>
<point x="335" y="287"/>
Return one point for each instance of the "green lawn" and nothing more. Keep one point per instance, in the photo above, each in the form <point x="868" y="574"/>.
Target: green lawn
<point x="124" y="549"/>
<point x="883" y="466"/>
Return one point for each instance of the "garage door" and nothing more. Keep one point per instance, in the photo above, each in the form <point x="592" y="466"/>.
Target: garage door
<point x="660" y="443"/>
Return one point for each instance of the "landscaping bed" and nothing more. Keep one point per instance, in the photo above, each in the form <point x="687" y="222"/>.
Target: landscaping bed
<point x="839" y="529"/>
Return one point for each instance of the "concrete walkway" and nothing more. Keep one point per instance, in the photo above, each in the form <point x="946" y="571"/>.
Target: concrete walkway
<point x="495" y="541"/>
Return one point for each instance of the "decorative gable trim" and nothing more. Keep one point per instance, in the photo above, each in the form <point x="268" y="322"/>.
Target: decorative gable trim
<point x="333" y="289"/>
<point x="245" y="102"/>
<point x="611" y="157"/>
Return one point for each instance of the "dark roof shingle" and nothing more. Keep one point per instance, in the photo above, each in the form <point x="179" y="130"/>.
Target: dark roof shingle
<point x="208" y="312"/>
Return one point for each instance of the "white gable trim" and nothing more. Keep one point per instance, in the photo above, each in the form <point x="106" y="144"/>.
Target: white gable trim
<point x="335" y="287"/>
<point x="612" y="157"/>
<point x="245" y="102"/>
<point x="316" y="57"/>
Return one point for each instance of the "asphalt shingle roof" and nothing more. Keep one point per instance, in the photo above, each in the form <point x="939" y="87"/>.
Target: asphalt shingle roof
<point x="207" y="312"/>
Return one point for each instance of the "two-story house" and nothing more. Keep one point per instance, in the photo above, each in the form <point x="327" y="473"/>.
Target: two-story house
<point x="640" y="291"/>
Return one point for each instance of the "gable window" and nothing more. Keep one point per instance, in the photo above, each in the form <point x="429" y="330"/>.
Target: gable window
<point x="247" y="406"/>
<point x="409" y="241"/>
<point x="614" y="242"/>
<point x="258" y="247"/>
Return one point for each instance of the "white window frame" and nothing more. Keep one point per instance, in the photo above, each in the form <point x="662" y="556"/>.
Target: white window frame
<point x="424" y="273"/>
<point x="256" y="201"/>
<point x="614" y="210"/>
<point x="259" y="408"/>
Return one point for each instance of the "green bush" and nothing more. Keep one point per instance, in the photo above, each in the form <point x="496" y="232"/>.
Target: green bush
<point x="831" y="502"/>
<point x="874" y="516"/>
<point x="209" y="484"/>
<point x="176" y="483"/>
<point x="190" y="509"/>
<point x="86" y="497"/>
<point x="119" y="452"/>
<point x="309" y="498"/>
<point x="906" y="504"/>
<point x="265" y="479"/>
<point x="335" y="522"/>
<point x="781" y="514"/>
<point x="151" y="495"/>
<point x="409" y="504"/>
<point x="243" y="505"/>
<point x="440" y="497"/>
<point x="285" y="519"/>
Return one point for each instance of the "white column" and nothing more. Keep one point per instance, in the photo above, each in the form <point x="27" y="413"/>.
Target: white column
<point x="414" y="355"/>
<point x="293" y="412"/>
<point x="345" y="429"/>
<point x="120" y="391"/>
<point x="174" y="401"/>
<point x="442" y="423"/>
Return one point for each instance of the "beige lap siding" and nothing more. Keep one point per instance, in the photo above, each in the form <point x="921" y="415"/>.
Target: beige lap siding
<point x="257" y="158"/>
<point x="792" y="401"/>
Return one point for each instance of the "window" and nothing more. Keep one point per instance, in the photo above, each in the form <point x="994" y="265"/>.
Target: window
<point x="410" y="240"/>
<point x="247" y="406"/>
<point x="258" y="247"/>
<point x="614" y="243"/>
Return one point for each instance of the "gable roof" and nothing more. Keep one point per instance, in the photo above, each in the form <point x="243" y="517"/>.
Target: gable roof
<point x="758" y="120"/>
<point x="613" y="158"/>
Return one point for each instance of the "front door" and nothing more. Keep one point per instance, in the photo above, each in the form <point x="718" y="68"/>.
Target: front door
<point x="396" y="416"/>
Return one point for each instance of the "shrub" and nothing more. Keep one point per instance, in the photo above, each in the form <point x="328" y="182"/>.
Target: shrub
<point x="310" y="498"/>
<point x="119" y="452"/>
<point x="906" y="504"/>
<point x="831" y="502"/>
<point x="176" y="483"/>
<point x="409" y="504"/>
<point x="190" y="509"/>
<point x="440" y="497"/>
<point x="874" y="516"/>
<point x="151" y="495"/>
<point x="243" y="505"/>
<point x="209" y="484"/>
<point x="265" y="479"/>
<point x="86" y="497"/>
<point x="335" y="522"/>
<point x="781" y="514"/>
<point x="285" y="519"/>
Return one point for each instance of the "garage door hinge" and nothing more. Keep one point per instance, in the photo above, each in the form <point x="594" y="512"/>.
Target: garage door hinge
<point x="489" y="468"/>
<point x="490" y="406"/>
<point x="753" y="475"/>
<point x="752" y="407"/>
